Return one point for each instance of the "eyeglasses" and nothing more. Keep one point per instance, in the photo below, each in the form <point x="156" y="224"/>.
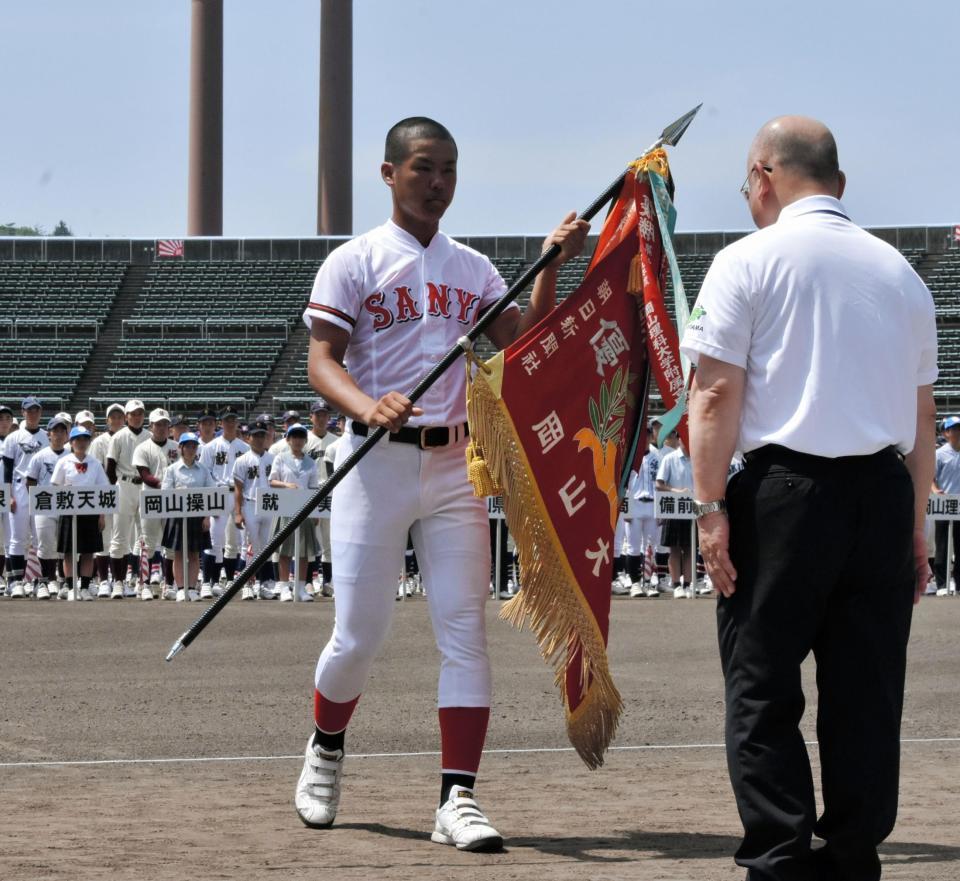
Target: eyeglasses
<point x="745" y="189"/>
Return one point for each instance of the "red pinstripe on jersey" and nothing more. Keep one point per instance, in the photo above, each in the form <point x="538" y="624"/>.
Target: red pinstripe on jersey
<point x="320" y="307"/>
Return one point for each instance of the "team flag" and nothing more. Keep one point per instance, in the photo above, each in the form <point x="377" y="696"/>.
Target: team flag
<point x="170" y="247"/>
<point x="557" y="422"/>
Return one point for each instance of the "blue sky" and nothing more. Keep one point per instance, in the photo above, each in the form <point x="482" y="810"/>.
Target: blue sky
<point x="547" y="101"/>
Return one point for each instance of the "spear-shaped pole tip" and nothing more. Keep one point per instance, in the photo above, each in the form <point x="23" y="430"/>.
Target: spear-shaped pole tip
<point x="673" y="132"/>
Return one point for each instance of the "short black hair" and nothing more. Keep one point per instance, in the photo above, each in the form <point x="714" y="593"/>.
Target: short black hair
<point x="397" y="146"/>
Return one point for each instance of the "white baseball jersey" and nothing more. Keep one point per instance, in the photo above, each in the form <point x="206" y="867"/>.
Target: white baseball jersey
<point x="99" y="447"/>
<point x="71" y="471"/>
<point x="43" y="463"/>
<point x="253" y="472"/>
<point x="289" y="469"/>
<point x="220" y="455"/>
<point x="330" y="456"/>
<point x="156" y="458"/>
<point x="121" y="449"/>
<point x="22" y="445"/>
<point x="646" y="484"/>
<point x="409" y="305"/>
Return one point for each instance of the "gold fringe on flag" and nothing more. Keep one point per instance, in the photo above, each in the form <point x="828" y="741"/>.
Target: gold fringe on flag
<point x="551" y="602"/>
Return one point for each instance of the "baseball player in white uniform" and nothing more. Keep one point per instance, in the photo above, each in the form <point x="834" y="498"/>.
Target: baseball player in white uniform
<point x="40" y="473"/>
<point x="251" y="472"/>
<point x="99" y="447"/>
<point x="120" y="470"/>
<point x="319" y="440"/>
<point x="6" y="426"/>
<point x="151" y="459"/>
<point x="387" y="306"/>
<point x="220" y="455"/>
<point x="19" y="448"/>
<point x="642" y="532"/>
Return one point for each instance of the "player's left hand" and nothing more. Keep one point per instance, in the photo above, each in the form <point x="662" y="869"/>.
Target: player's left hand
<point x="571" y="236"/>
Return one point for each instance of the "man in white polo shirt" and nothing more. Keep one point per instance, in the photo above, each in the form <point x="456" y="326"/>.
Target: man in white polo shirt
<point x="816" y="348"/>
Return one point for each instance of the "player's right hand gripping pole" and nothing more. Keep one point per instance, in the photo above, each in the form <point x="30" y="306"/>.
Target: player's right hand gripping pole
<point x="671" y="134"/>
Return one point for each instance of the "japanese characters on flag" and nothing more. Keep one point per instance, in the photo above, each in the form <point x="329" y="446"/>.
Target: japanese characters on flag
<point x="207" y="501"/>
<point x="554" y="421"/>
<point x="53" y="501"/>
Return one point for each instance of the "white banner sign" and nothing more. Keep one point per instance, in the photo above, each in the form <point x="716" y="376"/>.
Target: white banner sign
<point x="287" y="502"/>
<point x="52" y="501"/>
<point x="4" y="498"/>
<point x="207" y="501"/>
<point x="671" y="506"/>
<point x="941" y="506"/>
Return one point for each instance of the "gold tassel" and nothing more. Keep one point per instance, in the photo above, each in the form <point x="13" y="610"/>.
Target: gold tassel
<point x="479" y="474"/>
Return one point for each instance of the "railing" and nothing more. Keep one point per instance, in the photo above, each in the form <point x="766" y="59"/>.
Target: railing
<point x="26" y="327"/>
<point x="205" y="328"/>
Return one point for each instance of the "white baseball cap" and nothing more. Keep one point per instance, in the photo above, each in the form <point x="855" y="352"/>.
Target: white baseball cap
<point x="158" y="415"/>
<point x="65" y="416"/>
<point x="85" y="416"/>
<point x="133" y="404"/>
<point x="113" y="407"/>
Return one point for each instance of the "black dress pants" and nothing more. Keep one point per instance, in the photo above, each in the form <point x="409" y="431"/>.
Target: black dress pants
<point x="823" y="552"/>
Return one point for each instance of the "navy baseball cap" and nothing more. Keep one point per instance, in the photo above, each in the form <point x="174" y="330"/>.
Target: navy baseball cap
<point x="79" y="431"/>
<point x="29" y="402"/>
<point x="951" y="422"/>
<point x="5" y="409"/>
<point x="266" y="418"/>
<point x="229" y="413"/>
<point x="188" y="437"/>
<point x="290" y="416"/>
<point x="178" y="419"/>
<point x="206" y="413"/>
<point x="319" y="405"/>
<point x="297" y="428"/>
<point x="57" y="421"/>
<point x="258" y="427"/>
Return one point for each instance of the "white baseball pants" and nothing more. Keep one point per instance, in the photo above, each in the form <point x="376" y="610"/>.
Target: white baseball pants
<point x="46" y="528"/>
<point x="224" y="538"/>
<point x="398" y="488"/>
<point x="21" y="529"/>
<point x="126" y="522"/>
<point x="259" y="530"/>
<point x="642" y="531"/>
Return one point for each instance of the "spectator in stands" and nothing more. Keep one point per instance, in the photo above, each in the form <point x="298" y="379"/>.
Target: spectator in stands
<point x="294" y="469"/>
<point x="127" y="529"/>
<point x="186" y="473"/>
<point x="151" y="459"/>
<point x="77" y="468"/>
<point x="675" y="475"/>
<point x="6" y="426"/>
<point x="40" y="473"/>
<point x="947" y="480"/>
<point x="98" y="449"/>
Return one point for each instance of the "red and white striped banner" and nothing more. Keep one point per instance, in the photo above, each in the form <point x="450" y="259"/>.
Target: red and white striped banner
<point x="32" y="572"/>
<point x="169" y="247"/>
<point x="144" y="564"/>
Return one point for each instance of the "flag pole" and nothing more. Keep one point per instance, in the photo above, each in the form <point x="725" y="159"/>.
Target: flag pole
<point x="669" y="137"/>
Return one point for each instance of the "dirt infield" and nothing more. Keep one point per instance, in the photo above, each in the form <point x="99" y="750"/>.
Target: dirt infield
<point x="87" y="682"/>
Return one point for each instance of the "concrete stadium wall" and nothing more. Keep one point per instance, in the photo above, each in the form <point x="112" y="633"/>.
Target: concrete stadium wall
<point x="928" y="238"/>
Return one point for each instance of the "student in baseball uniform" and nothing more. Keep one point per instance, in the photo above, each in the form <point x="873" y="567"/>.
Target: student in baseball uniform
<point x="40" y="473"/>
<point x="186" y="473"/>
<point x="293" y="469"/>
<point x="387" y="306"/>
<point x="77" y="468"/>
<point x="290" y="417"/>
<point x="124" y="540"/>
<point x="98" y="449"/>
<point x="86" y="419"/>
<point x="251" y="472"/>
<point x="220" y="455"/>
<point x="642" y="532"/>
<point x="206" y="427"/>
<point x="675" y="474"/>
<point x="151" y="459"/>
<point x="6" y="426"/>
<point x="19" y="448"/>
<point x="319" y="440"/>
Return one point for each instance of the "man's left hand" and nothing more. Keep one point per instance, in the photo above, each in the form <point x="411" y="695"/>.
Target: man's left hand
<point x="715" y="549"/>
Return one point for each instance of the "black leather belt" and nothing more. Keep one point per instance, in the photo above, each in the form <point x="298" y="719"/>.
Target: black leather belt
<point x="427" y="437"/>
<point x="135" y="480"/>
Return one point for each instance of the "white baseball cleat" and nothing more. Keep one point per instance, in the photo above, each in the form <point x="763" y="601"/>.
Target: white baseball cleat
<point x="460" y="822"/>
<point x="181" y="596"/>
<point x="303" y="595"/>
<point x="206" y="591"/>
<point x="168" y="594"/>
<point x="65" y="593"/>
<point x="637" y="590"/>
<point x="246" y="593"/>
<point x="286" y="595"/>
<point x="146" y="594"/>
<point x="16" y="590"/>
<point x="43" y="592"/>
<point x="318" y="789"/>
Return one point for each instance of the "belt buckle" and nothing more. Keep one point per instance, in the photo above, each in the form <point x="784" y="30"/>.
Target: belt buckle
<point x="422" y="442"/>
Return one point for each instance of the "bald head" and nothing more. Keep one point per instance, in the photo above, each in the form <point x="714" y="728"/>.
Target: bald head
<point x="802" y="147"/>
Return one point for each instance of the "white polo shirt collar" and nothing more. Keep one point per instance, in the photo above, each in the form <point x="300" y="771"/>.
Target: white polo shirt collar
<point x="813" y="205"/>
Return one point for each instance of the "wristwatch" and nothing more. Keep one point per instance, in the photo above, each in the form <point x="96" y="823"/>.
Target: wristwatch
<point x="701" y="509"/>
